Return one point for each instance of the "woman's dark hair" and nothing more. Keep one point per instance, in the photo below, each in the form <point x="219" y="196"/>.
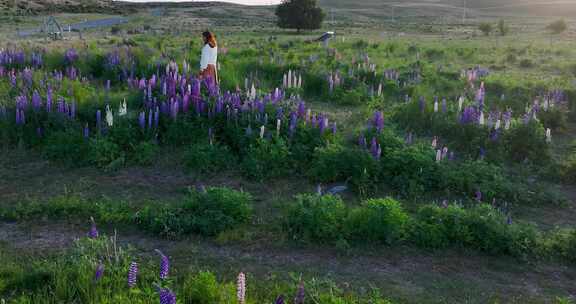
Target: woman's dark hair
<point x="210" y="39"/>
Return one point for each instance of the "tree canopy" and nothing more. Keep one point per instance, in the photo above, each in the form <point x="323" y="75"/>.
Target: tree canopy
<point x="300" y="15"/>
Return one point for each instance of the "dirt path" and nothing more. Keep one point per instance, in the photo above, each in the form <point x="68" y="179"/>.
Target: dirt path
<point x="403" y="273"/>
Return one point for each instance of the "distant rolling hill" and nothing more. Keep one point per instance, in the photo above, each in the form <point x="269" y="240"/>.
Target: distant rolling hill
<point x="481" y="8"/>
<point x="359" y="9"/>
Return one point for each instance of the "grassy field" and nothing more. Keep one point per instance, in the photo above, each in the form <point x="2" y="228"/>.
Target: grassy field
<point x="517" y="239"/>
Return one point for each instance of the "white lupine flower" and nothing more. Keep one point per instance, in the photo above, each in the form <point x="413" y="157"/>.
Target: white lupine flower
<point x="460" y="103"/>
<point x="497" y="126"/>
<point x="253" y="92"/>
<point x="278" y="124"/>
<point x="435" y="107"/>
<point x="548" y="135"/>
<point x="123" y="110"/>
<point x="262" y="130"/>
<point x="438" y="155"/>
<point x="289" y="79"/>
<point x="507" y="125"/>
<point x="109" y="117"/>
<point x="481" y="119"/>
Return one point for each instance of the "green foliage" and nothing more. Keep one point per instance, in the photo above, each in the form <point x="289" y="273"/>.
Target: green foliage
<point x="67" y="147"/>
<point x="557" y="27"/>
<point x="206" y="212"/>
<point x="202" y="288"/>
<point x="105" y="153"/>
<point x="207" y="158"/>
<point x="316" y="218"/>
<point x="145" y="153"/>
<point x="486" y="28"/>
<point x="266" y="159"/>
<point x="337" y="163"/>
<point x="378" y="220"/>
<point x="299" y="15"/>
<point x="503" y="28"/>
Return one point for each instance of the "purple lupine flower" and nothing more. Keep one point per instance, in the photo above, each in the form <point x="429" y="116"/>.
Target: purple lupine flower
<point x="279" y="300"/>
<point x="156" y="117"/>
<point x="478" y="196"/>
<point x="142" y="121"/>
<point x="36" y="101"/>
<point x="509" y="220"/>
<point x="293" y="123"/>
<point x="362" y="142"/>
<point x="334" y="128"/>
<point x="494" y="135"/>
<point x="98" y="120"/>
<point x="300" y="294"/>
<point x="375" y="149"/>
<point x="93" y="233"/>
<point x="99" y="272"/>
<point x="39" y="132"/>
<point x="482" y="153"/>
<point x="167" y="296"/>
<point x="378" y="121"/>
<point x="164" y="265"/>
<point x="49" y="100"/>
<point x="301" y="110"/>
<point x="86" y="131"/>
<point x="444" y="105"/>
<point x="132" y="274"/>
<point x="422" y="104"/>
<point x="70" y="56"/>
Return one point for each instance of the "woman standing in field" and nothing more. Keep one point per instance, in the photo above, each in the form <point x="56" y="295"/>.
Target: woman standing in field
<point x="209" y="58"/>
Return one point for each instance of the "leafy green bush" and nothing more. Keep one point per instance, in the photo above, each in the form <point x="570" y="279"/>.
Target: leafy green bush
<point x="316" y="218"/>
<point x="206" y="158"/>
<point x="206" y="212"/>
<point x="67" y="147"/>
<point x="337" y="163"/>
<point x="378" y="220"/>
<point x="203" y="288"/>
<point x="144" y="153"/>
<point x="218" y="209"/>
<point x="104" y="153"/>
<point x="266" y="159"/>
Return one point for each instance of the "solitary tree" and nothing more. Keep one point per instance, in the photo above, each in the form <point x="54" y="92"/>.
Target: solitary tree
<point x="485" y="28"/>
<point x="557" y="27"/>
<point x="502" y="27"/>
<point x="299" y="15"/>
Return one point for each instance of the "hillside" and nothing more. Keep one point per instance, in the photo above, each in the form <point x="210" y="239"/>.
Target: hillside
<point x="379" y="9"/>
<point x="374" y="10"/>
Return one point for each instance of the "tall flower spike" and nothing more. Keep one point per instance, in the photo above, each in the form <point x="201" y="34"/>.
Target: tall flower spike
<point x="241" y="288"/>
<point x="93" y="233"/>
<point x="132" y="274"/>
<point x="279" y="300"/>
<point x="299" y="299"/>
<point x="167" y="296"/>
<point x="164" y="265"/>
<point x="99" y="272"/>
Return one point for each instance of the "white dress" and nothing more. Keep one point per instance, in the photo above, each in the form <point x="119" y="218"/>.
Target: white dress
<point x="209" y="56"/>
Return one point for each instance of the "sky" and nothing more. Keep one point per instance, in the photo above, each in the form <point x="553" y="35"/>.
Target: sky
<point x="246" y="2"/>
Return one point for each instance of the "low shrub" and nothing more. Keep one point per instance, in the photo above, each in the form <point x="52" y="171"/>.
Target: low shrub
<point x="66" y="147"/>
<point x="316" y="218"/>
<point x="266" y="159"/>
<point x="206" y="158"/>
<point x="378" y="220"/>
